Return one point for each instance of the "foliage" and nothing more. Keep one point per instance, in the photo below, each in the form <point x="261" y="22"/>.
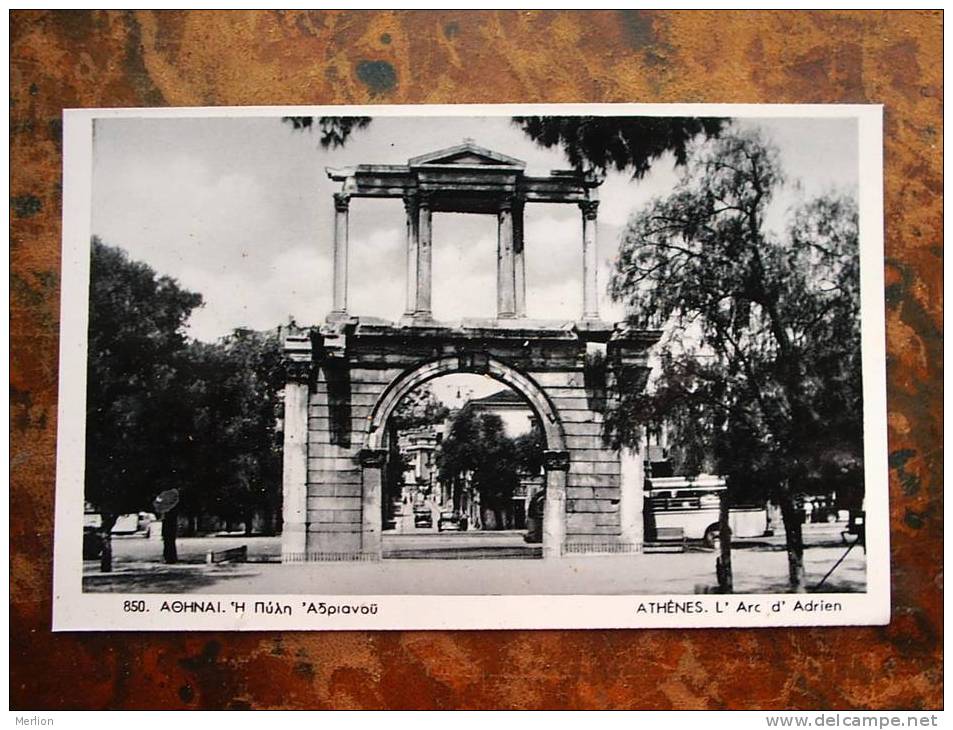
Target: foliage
<point x="334" y="130"/>
<point x="163" y="412"/>
<point x="234" y="450"/>
<point x="529" y="450"/>
<point x="592" y="144"/>
<point x="136" y="347"/>
<point x="763" y="356"/>
<point x="622" y="143"/>
<point x="478" y="445"/>
<point x="418" y="408"/>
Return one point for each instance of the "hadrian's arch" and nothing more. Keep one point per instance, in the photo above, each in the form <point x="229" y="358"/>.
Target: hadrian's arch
<point x="404" y="384"/>
<point x="345" y="377"/>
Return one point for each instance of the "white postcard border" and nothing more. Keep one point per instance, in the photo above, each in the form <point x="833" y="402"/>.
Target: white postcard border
<point x="74" y="610"/>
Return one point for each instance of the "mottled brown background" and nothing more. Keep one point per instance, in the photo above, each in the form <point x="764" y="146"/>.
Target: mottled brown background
<point x="101" y="59"/>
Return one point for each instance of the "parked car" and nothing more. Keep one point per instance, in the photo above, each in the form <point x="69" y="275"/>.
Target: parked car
<point x="451" y="521"/>
<point x="423" y="517"/>
<point x="823" y="509"/>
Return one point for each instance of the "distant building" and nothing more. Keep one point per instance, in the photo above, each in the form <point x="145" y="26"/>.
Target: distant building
<point x="517" y="416"/>
<point x="518" y="419"/>
<point x="418" y="448"/>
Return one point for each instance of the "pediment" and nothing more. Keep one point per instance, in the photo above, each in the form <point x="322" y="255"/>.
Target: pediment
<point x="467" y="154"/>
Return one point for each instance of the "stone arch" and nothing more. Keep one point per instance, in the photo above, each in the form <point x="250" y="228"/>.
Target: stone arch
<point x="509" y="376"/>
<point x="556" y="462"/>
<point x="345" y="378"/>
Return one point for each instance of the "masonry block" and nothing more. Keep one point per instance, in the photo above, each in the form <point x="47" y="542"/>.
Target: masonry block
<point x="579" y="522"/>
<point x="332" y="476"/>
<point x="589" y="505"/>
<point x="347" y="490"/>
<point x="334" y="503"/>
<point x="363" y="366"/>
<point x="576" y="493"/>
<point x="334" y="542"/>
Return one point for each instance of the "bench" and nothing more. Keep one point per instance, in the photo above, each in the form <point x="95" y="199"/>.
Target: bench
<point x="232" y="555"/>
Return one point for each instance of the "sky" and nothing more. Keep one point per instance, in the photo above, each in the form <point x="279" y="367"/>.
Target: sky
<point x="240" y="209"/>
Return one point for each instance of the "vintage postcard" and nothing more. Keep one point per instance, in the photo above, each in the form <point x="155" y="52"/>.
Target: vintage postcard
<point x="467" y="367"/>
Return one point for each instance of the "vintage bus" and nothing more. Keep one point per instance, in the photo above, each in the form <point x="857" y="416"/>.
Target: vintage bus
<point x="690" y="507"/>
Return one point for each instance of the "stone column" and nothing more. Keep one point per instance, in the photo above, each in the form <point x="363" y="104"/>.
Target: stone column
<point x="590" y="260"/>
<point x="341" y="202"/>
<point x="373" y="463"/>
<point x="556" y="464"/>
<point x="410" y="206"/>
<point x="519" y="260"/>
<point x="632" y="495"/>
<point x="295" y="460"/>
<point x="424" y="257"/>
<point x="505" y="264"/>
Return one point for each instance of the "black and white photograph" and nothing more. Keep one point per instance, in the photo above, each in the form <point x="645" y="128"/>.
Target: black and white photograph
<point x="472" y="367"/>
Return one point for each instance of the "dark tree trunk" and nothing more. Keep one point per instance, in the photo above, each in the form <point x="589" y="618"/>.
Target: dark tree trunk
<point x="106" y="539"/>
<point x="726" y="583"/>
<point x="793" y="519"/>
<point x="170" y="530"/>
<point x="192" y="523"/>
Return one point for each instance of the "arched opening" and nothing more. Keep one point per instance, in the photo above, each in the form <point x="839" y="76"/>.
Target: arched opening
<point x="462" y="448"/>
<point x="467" y="363"/>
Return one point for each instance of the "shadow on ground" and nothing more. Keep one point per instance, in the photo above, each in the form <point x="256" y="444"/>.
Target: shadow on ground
<point x="164" y="580"/>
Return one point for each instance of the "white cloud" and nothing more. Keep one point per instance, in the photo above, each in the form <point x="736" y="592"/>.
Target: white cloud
<point x="240" y="210"/>
<point x="376" y="272"/>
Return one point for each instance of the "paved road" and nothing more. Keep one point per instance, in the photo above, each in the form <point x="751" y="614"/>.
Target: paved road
<point x="264" y="549"/>
<point x="457" y="545"/>
<point x="758" y="568"/>
<point x="755" y="571"/>
<point x="405" y="521"/>
<point x="408" y="541"/>
<point x="414" y="543"/>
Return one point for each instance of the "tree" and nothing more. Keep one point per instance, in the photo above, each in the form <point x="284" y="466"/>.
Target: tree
<point x="334" y="131"/>
<point x="478" y="447"/>
<point x="598" y="144"/>
<point x="135" y="344"/>
<point x="592" y="144"/>
<point x="529" y="448"/>
<point x="256" y="458"/>
<point x="459" y="454"/>
<point x="496" y="476"/>
<point x="233" y="454"/>
<point x="762" y="359"/>
<point x="418" y="408"/>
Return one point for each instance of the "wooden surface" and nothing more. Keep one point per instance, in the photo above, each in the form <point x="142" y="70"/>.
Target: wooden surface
<point x="102" y="59"/>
